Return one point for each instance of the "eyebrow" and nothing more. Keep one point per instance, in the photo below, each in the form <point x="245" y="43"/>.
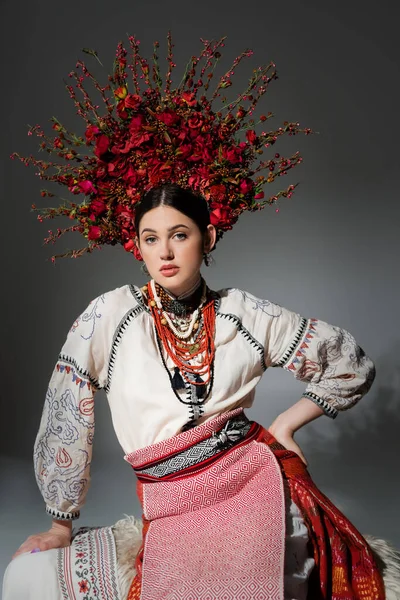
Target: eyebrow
<point x="169" y="229"/>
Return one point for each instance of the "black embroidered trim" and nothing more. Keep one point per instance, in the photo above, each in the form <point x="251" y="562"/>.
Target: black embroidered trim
<point x="217" y="300"/>
<point x="137" y="294"/>
<point x="327" y="408"/>
<point x="62" y="516"/>
<point x="83" y="372"/>
<point x="123" y="324"/>
<point x="247" y="335"/>
<point x="294" y="343"/>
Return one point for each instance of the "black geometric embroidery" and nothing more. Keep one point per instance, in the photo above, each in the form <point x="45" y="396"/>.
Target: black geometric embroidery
<point x="119" y="332"/>
<point x="62" y="516"/>
<point x="294" y="343"/>
<point x="328" y="409"/>
<point x="82" y="372"/>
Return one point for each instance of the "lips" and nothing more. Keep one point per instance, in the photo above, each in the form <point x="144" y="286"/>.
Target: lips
<point x="168" y="267"/>
<point x="169" y="270"/>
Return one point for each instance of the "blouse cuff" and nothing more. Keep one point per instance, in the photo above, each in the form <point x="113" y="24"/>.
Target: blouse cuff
<point x="62" y="516"/>
<point x="329" y="410"/>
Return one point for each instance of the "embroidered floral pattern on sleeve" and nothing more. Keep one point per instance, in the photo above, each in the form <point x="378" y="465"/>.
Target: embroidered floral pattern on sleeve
<point x="329" y="358"/>
<point x="63" y="447"/>
<point x="269" y="308"/>
<point x="89" y="318"/>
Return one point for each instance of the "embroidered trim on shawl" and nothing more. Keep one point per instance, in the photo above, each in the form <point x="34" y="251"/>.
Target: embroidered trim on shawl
<point x="247" y="335"/>
<point x="87" y="570"/>
<point x="62" y="516"/>
<point x="331" y="411"/>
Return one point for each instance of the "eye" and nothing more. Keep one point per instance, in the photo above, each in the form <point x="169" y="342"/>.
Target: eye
<point x="150" y="239"/>
<point x="181" y="236"/>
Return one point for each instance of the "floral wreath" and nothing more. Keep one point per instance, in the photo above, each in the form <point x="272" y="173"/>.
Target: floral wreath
<point x="143" y="138"/>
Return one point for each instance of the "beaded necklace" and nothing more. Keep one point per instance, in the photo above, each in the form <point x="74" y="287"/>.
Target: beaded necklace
<point x="188" y="342"/>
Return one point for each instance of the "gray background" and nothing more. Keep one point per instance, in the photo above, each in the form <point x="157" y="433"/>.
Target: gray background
<point x="332" y="251"/>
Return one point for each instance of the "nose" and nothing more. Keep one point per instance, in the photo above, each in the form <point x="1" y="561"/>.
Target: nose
<point x="166" y="252"/>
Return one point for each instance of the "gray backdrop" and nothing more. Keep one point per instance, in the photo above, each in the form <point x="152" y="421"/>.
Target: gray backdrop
<point x="332" y="251"/>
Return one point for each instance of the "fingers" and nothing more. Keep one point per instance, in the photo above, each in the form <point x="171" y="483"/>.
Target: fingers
<point x="37" y="545"/>
<point x="41" y="543"/>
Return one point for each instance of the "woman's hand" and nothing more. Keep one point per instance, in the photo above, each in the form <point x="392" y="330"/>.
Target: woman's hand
<point x="58" y="536"/>
<point x="284" y="436"/>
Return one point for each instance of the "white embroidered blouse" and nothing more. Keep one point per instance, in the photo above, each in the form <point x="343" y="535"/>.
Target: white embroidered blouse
<point x="113" y="345"/>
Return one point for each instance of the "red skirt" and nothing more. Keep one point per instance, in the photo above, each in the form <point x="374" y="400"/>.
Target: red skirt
<point x="214" y="520"/>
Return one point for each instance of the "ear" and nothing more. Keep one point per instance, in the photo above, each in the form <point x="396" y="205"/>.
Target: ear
<point x="137" y="245"/>
<point x="209" y="238"/>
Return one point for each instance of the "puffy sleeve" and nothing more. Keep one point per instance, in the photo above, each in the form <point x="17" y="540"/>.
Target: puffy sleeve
<point x="63" y="446"/>
<point x="326" y="357"/>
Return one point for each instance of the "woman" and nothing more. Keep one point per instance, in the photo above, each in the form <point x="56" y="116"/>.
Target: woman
<point x="229" y="509"/>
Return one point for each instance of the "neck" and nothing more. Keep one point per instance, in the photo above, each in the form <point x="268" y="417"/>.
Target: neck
<point x="188" y="292"/>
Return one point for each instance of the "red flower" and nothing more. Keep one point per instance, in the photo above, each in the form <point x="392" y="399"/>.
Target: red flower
<point x="97" y="207"/>
<point x="246" y="185"/>
<point x="124" y="216"/>
<point x="217" y="192"/>
<point x="138" y="138"/>
<point x="195" y="121"/>
<point x="259" y="196"/>
<point x="132" y="101"/>
<point x="220" y="216"/>
<point x="189" y="98"/>
<point x="83" y="586"/>
<point x="58" y="143"/>
<point x="202" y="150"/>
<point x="157" y="171"/>
<point x="86" y="187"/>
<point x="94" y="233"/>
<point x="130" y="246"/>
<point x="136" y="253"/>
<point x="131" y="176"/>
<point x="136" y="123"/>
<point x="102" y="144"/>
<point x="121" y="110"/>
<point x="168" y="116"/>
<point x="90" y="132"/>
<point x="233" y="154"/>
<point x="251" y="136"/>
<point x="184" y="151"/>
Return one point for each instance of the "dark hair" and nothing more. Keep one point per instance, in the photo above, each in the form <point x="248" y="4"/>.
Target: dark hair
<point x="193" y="206"/>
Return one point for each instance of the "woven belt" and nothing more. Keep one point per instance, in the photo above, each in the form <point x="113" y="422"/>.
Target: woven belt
<point x="231" y="433"/>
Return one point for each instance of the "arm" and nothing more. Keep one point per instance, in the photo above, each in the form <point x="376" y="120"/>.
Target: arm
<point x="63" y="446"/>
<point x="326" y="357"/>
<point x="287" y="423"/>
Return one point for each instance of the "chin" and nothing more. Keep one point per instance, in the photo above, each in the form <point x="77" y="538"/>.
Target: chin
<point x="176" y="284"/>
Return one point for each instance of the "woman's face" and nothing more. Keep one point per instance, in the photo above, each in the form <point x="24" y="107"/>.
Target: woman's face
<point x="172" y="247"/>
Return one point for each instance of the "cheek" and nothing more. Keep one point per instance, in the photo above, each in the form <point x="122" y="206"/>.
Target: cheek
<point x="194" y="250"/>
